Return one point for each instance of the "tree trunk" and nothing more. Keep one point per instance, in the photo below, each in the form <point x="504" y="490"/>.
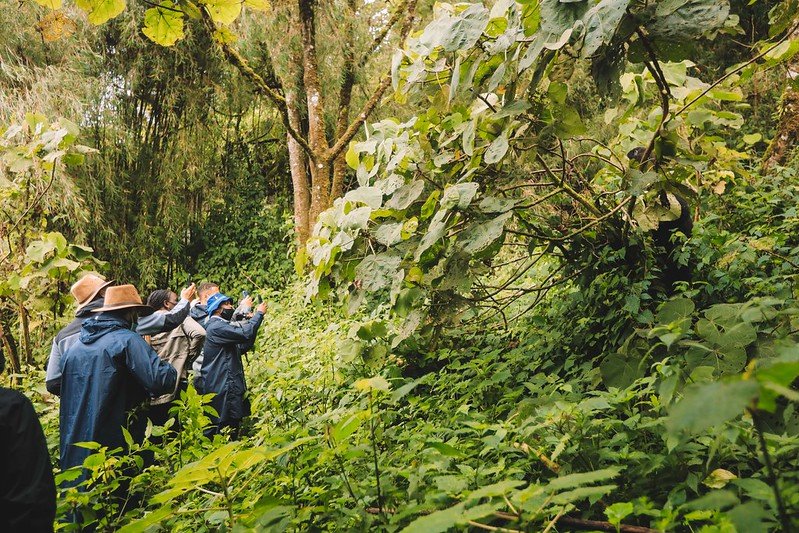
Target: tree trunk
<point x="344" y="102"/>
<point x="787" y="136"/>
<point x="298" y="165"/>
<point x="25" y="334"/>
<point x="10" y="349"/>
<point x="320" y="169"/>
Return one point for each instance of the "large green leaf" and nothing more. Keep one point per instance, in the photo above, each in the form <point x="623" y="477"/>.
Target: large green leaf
<point x="101" y="11"/>
<point x="675" y="310"/>
<point x="583" y="478"/>
<point x="163" y="24"/>
<point x="455" y="31"/>
<point x="497" y="149"/>
<point x="447" y="519"/>
<point x="601" y="23"/>
<point x="38" y="250"/>
<point x="709" y="405"/>
<point x="459" y="195"/>
<point x="620" y="371"/>
<point x="438" y="226"/>
<point x="389" y="234"/>
<point x="223" y="11"/>
<point x="775" y="378"/>
<point x="405" y="195"/>
<point x="481" y="235"/>
<point x="678" y="19"/>
<point x="371" y="196"/>
<point x="375" y="272"/>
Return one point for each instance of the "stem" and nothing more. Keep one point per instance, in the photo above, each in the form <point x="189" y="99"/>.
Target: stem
<point x="374" y="451"/>
<point x="771" y="472"/>
<point x="228" y="501"/>
<point x="735" y="71"/>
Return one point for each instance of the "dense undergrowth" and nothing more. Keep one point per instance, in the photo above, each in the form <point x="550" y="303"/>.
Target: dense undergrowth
<point x="489" y="337"/>
<point x="501" y="426"/>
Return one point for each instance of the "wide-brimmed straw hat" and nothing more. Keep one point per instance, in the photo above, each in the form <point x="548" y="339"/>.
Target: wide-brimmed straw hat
<point x="124" y="297"/>
<point x="86" y="288"/>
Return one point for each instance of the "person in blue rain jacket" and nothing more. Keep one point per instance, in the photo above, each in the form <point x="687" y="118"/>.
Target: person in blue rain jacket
<point x="106" y="374"/>
<point x="222" y="371"/>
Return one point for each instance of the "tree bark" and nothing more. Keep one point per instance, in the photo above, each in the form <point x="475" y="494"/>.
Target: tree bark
<point x="298" y="166"/>
<point x="344" y="102"/>
<point x="10" y="349"/>
<point x="25" y="335"/>
<point x="317" y="140"/>
<point x="787" y="136"/>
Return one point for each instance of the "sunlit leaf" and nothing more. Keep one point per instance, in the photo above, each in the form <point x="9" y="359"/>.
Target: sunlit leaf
<point x="163" y="24"/>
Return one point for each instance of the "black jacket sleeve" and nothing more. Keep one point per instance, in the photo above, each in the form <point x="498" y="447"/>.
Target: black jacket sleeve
<point x="27" y="488"/>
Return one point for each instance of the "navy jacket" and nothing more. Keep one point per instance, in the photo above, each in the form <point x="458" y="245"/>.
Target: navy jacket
<point x="63" y="340"/>
<point x="106" y="374"/>
<point x="27" y="489"/>
<point x="222" y="371"/>
<point x="200" y="315"/>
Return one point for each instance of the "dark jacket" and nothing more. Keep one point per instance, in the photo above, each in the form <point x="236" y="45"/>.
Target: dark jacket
<point x="200" y="315"/>
<point x="106" y="374"/>
<point x="222" y="370"/>
<point x="63" y="340"/>
<point x="27" y="489"/>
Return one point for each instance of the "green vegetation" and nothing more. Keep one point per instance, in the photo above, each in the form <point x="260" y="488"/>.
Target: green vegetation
<point x="483" y="324"/>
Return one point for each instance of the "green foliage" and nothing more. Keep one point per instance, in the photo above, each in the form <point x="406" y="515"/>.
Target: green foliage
<point x="37" y="265"/>
<point x="444" y="193"/>
<point x="245" y="244"/>
<point x="510" y="355"/>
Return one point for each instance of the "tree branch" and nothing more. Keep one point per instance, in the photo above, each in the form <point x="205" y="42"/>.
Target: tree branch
<point x="578" y="523"/>
<point x="370" y="105"/>
<point x="258" y="82"/>
<point x="380" y="37"/>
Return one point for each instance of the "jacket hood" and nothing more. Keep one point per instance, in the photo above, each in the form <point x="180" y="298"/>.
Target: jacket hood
<point x="96" y="327"/>
<point x="198" y="312"/>
<point x="87" y="309"/>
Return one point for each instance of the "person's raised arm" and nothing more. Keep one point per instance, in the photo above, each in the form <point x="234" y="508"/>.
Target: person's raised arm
<point x="161" y="322"/>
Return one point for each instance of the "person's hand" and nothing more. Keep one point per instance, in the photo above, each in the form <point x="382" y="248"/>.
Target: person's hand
<point x="246" y="303"/>
<point x="188" y="292"/>
<point x="261" y="307"/>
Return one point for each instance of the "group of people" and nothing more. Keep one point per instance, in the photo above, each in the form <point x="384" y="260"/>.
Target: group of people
<point x="121" y="362"/>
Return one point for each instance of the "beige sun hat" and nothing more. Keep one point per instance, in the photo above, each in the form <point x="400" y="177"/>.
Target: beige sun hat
<point x="86" y="288"/>
<point x="124" y="297"/>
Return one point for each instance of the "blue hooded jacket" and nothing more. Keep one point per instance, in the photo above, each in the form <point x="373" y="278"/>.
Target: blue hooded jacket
<point x="109" y="372"/>
<point x="222" y="370"/>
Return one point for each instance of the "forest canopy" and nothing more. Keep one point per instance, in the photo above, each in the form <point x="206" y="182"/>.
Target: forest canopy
<point x="530" y="264"/>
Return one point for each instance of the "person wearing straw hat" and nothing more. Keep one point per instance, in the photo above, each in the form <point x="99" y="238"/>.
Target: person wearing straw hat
<point x="222" y="371"/>
<point x="88" y="292"/>
<point x="106" y="374"/>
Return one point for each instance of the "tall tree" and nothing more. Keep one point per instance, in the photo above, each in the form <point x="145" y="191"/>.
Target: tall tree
<point x="317" y="159"/>
<point x="319" y="166"/>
